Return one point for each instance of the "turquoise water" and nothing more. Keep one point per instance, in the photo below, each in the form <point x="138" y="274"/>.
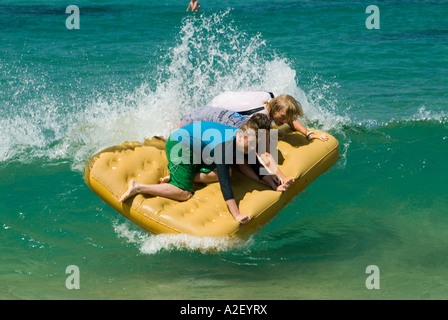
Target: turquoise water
<point x="133" y="69"/>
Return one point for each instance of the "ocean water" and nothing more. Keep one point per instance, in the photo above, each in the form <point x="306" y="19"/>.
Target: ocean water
<point x="133" y="68"/>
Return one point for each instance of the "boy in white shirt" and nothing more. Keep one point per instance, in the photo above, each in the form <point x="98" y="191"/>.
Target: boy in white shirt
<point x="279" y="108"/>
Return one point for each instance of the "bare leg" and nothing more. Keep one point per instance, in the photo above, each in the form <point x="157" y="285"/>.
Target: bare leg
<point x="164" y="190"/>
<point x="202" y="177"/>
<point x="248" y="171"/>
<point x="269" y="180"/>
<point x="210" y="177"/>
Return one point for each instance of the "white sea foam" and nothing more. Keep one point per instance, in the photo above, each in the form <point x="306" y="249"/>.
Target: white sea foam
<point x="153" y="244"/>
<point x="427" y="115"/>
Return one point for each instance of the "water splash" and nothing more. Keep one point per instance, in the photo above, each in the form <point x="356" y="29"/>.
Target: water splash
<point x="210" y="55"/>
<point x="153" y="244"/>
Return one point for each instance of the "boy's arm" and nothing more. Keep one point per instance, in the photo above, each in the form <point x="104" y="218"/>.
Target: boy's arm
<point x="297" y="126"/>
<point x="226" y="189"/>
<point x="233" y="207"/>
<point x="268" y="161"/>
<point x="224" y="180"/>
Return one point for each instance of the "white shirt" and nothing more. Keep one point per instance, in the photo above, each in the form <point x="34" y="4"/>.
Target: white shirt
<point x="246" y="103"/>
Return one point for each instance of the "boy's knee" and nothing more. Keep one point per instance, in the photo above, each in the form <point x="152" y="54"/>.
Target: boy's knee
<point x="185" y="195"/>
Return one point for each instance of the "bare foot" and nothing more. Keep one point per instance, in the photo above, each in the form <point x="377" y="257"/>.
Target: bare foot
<point x="165" y="179"/>
<point x="132" y="190"/>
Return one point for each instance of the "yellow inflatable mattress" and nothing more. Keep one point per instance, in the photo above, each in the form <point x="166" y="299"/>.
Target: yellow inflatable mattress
<point x="205" y="214"/>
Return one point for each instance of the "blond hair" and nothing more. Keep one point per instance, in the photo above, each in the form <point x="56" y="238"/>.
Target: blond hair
<point x="293" y="107"/>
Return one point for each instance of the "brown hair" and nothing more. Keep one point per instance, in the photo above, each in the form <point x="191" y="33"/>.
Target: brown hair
<point x="256" y="122"/>
<point x="293" y="107"/>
